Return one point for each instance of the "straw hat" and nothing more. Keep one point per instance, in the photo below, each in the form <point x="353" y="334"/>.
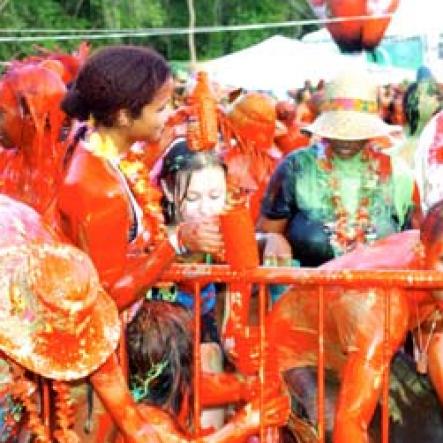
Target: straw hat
<point x="55" y="319"/>
<point x="351" y="110"/>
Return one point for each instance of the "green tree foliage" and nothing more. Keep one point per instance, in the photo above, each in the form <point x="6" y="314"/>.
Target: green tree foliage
<point x="89" y="15"/>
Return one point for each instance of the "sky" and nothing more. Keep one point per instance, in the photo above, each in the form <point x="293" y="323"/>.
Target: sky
<point x="417" y="16"/>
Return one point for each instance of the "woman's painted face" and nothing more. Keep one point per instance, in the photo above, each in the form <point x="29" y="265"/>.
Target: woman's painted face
<point x="346" y="148"/>
<point x="206" y="194"/>
<point x="149" y="126"/>
<point x="434" y="261"/>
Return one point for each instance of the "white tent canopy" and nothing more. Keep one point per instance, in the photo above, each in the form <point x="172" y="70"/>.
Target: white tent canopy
<point x="279" y="63"/>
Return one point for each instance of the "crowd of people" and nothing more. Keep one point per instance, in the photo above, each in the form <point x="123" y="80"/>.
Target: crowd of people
<point x="104" y="184"/>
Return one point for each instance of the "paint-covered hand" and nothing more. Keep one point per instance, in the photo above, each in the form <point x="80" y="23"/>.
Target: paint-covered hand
<point x="276" y="410"/>
<point x="202" y="235"/>
<point x="145" y="434"/>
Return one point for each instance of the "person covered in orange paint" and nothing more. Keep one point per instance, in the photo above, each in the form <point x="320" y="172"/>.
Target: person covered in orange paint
<point x="354" y="329"/>
<point x="31" y="136"/>
<point x="30" y="128"/>
<point x="160" y="342"/>
<point x="195" y="190"/>
<point x="250" y="153"/>
<point x="57" y="322"/>
<point x="124" y="93"/>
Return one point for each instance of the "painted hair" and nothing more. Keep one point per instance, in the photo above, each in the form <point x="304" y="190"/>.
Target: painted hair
<point x="115" y="78"/>
<point x="160" y="349"/>
<point x="178" y="165"/>
<point x="431" y="229"/>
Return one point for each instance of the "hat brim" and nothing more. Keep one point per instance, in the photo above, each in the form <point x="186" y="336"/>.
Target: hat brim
<point x="350" y="125"/>
<point x="62" y="357"/>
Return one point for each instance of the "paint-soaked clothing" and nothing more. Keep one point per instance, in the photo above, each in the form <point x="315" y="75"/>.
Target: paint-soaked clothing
<point x="300" y="192"/>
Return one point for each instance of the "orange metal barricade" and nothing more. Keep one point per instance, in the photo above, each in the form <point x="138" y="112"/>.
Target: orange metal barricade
<point x="201" y="274"/>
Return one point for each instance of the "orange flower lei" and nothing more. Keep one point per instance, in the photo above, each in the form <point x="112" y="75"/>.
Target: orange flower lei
<point x="136" y="167"/>
<point x="344" y="234"/>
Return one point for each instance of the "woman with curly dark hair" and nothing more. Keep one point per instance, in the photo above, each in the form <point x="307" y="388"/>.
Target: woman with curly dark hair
<point x="121" y="95"/>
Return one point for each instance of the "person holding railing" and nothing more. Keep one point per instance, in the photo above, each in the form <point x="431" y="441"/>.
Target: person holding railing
<point x="354" y="340"/>
<point x="123" y="95"/>
<point x="196" y="192"/>
<point x="160" y="349"/>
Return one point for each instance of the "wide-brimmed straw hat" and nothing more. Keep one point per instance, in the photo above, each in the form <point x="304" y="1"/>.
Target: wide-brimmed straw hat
<point x="55" y="319"/>
<point x="351" y="110"/>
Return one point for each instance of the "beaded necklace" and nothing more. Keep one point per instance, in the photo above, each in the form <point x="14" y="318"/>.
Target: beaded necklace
<point x="347" y="230"/>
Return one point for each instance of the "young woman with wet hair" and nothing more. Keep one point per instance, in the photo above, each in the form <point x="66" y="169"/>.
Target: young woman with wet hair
<point x="194" y="188"/>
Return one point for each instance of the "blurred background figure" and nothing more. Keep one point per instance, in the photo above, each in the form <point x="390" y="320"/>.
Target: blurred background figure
<point x="422" y="100"/>
<point x="293" y="138"/>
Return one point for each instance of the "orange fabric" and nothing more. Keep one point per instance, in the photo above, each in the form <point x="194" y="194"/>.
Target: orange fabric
<point x="292" y="140"/>
<point x="95" y="213"/>
<point x="354" y="330"/>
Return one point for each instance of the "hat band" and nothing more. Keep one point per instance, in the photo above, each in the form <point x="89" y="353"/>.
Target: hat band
<point x="352" y="104"/>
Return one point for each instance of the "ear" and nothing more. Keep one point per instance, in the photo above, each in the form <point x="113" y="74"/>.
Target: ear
<point x="124" y="118"/>
<point x="166" y="191"/>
